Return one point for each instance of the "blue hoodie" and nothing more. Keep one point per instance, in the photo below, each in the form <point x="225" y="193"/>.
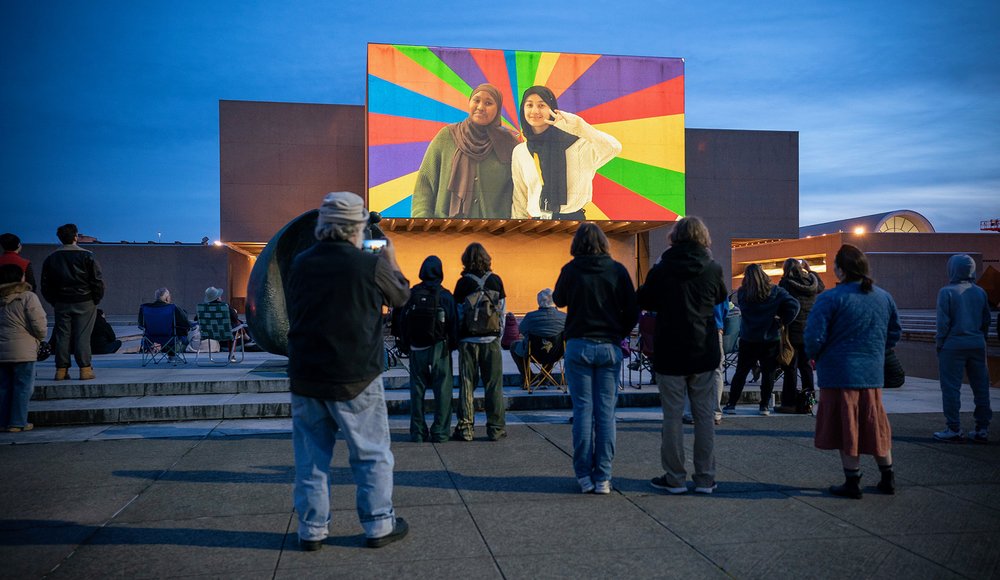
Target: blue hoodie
<point x="963" y="312"/>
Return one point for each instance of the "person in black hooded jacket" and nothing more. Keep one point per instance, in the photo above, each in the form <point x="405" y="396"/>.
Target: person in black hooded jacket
<point x="683" y="288"/>
<point x="430" y="328"/>
<point x="804" y="286"/>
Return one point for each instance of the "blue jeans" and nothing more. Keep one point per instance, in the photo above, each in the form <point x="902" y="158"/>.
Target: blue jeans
<point x="952" y="364"/>
<point x="17" y="381"/>
<point x="592" y="370"/>
<point x="365" y="425"/>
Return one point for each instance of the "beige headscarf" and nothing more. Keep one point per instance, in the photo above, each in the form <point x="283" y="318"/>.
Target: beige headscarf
<point x="473" y="144"/>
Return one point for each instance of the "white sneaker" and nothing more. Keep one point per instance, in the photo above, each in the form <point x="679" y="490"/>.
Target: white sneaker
<point x="586" y="485"/>
<point x="706" y="490"/>
<point x="602" y="487"/>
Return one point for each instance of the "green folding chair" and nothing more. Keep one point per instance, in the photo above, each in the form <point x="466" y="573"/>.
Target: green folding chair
<point x="216" y="328"/>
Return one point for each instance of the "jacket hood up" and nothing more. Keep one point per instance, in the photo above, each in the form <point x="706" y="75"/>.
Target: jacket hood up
<point x="802" y="286"/>
<point x="961" y="268"/>
<point x="431" y="271"/>
<point x="686" y="259"/>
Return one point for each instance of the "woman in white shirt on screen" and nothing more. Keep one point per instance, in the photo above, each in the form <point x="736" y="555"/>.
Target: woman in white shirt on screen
<point x="553" y="170"/>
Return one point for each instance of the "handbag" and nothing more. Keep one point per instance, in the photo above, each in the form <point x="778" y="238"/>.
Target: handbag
<point x="44" y="350"/>
<point x="786" y="354"/>
<point x="895" y="376"/>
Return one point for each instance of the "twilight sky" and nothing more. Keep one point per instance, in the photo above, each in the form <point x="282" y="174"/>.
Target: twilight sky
<point x="110" y="108"/>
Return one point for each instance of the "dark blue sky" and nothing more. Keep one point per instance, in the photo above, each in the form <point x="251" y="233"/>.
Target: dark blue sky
<point x="110" y="109"/>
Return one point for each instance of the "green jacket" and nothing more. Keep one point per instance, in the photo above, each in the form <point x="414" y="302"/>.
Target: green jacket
<point x="431" y="198"/>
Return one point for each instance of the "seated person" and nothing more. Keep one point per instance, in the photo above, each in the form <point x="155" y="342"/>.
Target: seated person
<point x="213" y="294"/>
<point x="162" y="299"/>
<point x="545" y="322"/>
<point x="103" y="339"/>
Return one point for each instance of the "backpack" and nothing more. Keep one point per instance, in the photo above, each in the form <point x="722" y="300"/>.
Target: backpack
<point x="425" y="319"/>
<point x="481" y="310"/>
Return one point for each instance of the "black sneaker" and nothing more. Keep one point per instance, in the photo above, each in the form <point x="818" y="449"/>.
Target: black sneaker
<point x="398" y="533"/>
<point x="310" y="545"/>
<point x="661" y="483"/>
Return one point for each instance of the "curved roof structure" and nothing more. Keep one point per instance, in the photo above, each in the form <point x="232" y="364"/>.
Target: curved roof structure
<point x="899" y="221"/>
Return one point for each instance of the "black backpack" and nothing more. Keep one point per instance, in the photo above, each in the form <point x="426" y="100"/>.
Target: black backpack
<point x="481" y="310"/>
<point x="425" y="319"/>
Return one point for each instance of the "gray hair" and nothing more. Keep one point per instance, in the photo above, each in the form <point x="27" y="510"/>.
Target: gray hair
<point x="545" y="299"/>
<point x="335" y="231"/>
<point x="162" y="294"/>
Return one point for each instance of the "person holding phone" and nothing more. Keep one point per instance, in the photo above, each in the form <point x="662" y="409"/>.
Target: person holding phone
<point x="553" y="170"/>
<point x="466" y="169"/>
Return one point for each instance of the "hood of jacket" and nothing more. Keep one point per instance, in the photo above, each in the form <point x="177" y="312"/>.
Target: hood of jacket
<point x="961" y="268"/>
<point x="431" y="271"/>
<point x="11" y="290"/>
<point x="592" y="264"/>
<point x="686" y="259"/>
<point x="802" y="286"/>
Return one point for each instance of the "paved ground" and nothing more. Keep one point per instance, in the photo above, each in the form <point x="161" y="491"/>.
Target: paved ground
<point x="213" y="499"/>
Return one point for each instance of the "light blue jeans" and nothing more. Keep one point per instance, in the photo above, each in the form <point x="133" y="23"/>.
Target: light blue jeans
<point x="365" y="425"/>
<point x="952" y="364"/>
<point x="17" y="381"/>
<point x="592" y="370"/>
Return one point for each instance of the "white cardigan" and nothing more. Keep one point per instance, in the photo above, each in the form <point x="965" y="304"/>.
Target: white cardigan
<point x="583" y="158"/>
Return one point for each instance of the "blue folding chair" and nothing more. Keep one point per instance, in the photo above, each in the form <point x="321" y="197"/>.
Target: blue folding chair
<point x="161" y="339"/>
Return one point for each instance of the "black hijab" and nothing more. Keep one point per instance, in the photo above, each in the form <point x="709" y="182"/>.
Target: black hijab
<point x="548" y="149"/>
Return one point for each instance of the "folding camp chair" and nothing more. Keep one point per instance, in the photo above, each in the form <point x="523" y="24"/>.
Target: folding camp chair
<point x="544" y="353"/>
<point x="215" y="327"/>
<point x="730" y="343"/>
<point x="161" y="339"/>
<point x="642" y="354"/>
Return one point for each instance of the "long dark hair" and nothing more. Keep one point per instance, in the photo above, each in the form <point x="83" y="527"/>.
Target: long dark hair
<point x="756" y="284"/>
<point x="589" y="240"/>
<point x="793" y="269"/>
<point x="854" y="265"/>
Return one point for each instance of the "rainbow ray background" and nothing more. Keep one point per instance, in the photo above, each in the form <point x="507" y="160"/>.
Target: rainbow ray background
<point x="414" y="91"/>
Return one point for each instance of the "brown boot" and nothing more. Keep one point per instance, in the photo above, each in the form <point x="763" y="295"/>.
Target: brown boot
<point x="87" y="374"/>
<point x="62" y="374"/>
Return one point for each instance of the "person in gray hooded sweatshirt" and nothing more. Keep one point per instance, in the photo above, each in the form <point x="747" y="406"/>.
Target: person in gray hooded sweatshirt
<point x="963" y="320"/>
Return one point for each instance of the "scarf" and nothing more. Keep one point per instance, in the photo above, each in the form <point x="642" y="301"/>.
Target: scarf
<point x="548" y="149"/>
<point x="473" y="143"/>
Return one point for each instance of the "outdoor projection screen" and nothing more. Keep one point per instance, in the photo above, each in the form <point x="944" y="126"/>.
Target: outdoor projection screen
<point x="415" y="93"/>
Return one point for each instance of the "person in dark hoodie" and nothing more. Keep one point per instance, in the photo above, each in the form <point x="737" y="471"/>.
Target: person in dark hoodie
<point x="430" y="328"/>
<point x="803" y="285"/>
<point x="764" y="307"/>
<point x="601" y="310"/>
<point x="963" y="321"/>
<point x="683" y="288"/>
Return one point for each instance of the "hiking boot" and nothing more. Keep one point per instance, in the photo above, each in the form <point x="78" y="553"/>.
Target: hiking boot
<point x="949" y="436"/>
<point x="661" y="483"/>
<point x="62" y="375"/>
<point x="397" y="534"/>
<point x="87" y="374"/>
<point x="851" y="488"/>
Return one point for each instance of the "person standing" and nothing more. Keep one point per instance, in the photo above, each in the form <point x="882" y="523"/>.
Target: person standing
<point x="22" y="327"/>
<point x="847" y="333"/>
<point x="963" y="321"/>
<point x="11" y="245"/>
<point x="430" y="328"/>
<point x="480" y="296"/>
<point x="335" y="296"/>
<point x="764" y="307"/>
<point x="72" y="283"/>
<point x="601" y="310"/>
<point x="803" y="285"/>
<point x="684" y="289"/>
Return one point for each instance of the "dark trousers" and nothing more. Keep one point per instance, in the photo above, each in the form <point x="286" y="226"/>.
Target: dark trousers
<point x="480" y="360"/>
<point x="431" y="368"/>
<point x="763" y="353"/>
<point x="74" y="324"/>
<point x="789" y="388"/>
